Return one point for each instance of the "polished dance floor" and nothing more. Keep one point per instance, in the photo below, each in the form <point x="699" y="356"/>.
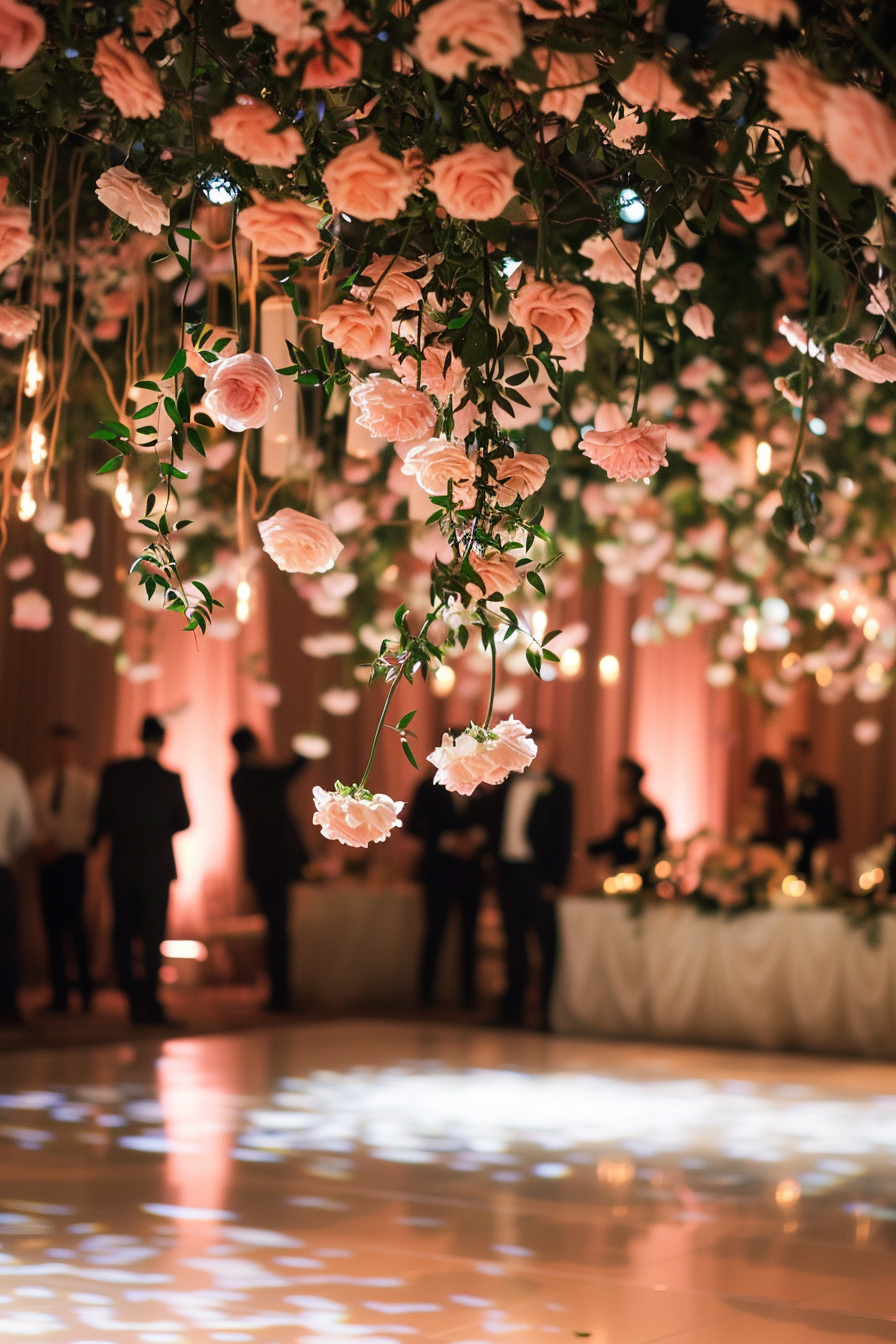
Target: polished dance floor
<point x="386" y="1182"/>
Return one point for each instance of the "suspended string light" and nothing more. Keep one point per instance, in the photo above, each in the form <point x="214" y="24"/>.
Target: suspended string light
<point x="34" y="374"/>
<point x="124" y="499"/>
<point x="27" y="503"/>
<point x="243" y="600"/>
<point x="37" y="445"/>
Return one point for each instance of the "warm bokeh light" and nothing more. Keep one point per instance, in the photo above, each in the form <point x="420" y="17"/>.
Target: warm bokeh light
<point x="763" y="458"/>
<point x="608" y="670"/>
<point x="570" y="663"/>
<point x="443" y="680"/>
<point x="184" y="949"/>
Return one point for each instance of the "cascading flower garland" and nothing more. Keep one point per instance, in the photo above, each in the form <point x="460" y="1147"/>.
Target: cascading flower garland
<point x="556" y="271"/>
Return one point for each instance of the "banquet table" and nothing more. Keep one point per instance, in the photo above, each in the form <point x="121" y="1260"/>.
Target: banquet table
<point x="774" y="979"/>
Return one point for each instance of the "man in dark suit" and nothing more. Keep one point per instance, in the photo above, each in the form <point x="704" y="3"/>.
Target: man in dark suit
<point x="813" y="808"/>
<point x="273" y="848"/>
<point x="454" y="837"/>
<point x="141" y="807"/>
<point x="532" y="840"/>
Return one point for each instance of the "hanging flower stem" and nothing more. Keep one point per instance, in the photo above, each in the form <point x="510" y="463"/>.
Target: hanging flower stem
<point x="379" y="728"/>
<point x="805" y="370"/>
<point x="639" y="292"/>
<point x="491" y="693"/>
<point x="237" y="319"/>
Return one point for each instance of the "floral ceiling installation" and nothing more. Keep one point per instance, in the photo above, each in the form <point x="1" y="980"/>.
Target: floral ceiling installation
<point x="455" y="299"/>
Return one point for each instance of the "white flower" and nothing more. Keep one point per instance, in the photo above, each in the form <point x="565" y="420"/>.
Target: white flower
<point x="354" y="816"/>
<point x="482" y="756"/>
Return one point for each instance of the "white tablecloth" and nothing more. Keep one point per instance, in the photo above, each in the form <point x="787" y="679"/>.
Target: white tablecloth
<point x="356" y="946"/>
<point x="773" y="979"/>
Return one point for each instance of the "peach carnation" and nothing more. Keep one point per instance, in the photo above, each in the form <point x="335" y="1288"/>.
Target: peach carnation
<point x="520" y="476"/>
<point x="247" y="130"/>
<point x="393" y="411"/>
<point x="482" y="755"/>
<point x="354" y="816"/>
<point x="126" y="195"/>
<point x="439" y="462"/>
<point x="282" y="228"/>
<point x="628" y="454"/>
<point x="854" y="360"/>
<point x="455" y="37"/>
<point x="126" y="78"/>
<point x="699" y="319"/>
<point x="151" y="19"/>
<point x="296" y="20"/>
<point x="335" y="58"/>
<point x="476" y="182"/>
<point x="767" y="11"/>
<point x="16" y="237"/>
<point x="561" y="313"/>
<point x="367" y="184"/>
<point x="751" y="206"/>
<point x="299" y="543"/>
<point x="22" y="30"/>
<point x="441" y="372"/>
<point x="242" y="390"/>
<point x="391" y="277"/>
<point x="499" y="574"/>
<point x="31" y="611"/>
<point x="569" y="77"/>
<point x="795" y="92"/>
<point x="359" y="330"/>
<point x="860" y="133"/>
<point x="651" y="86"/>
<point x="614" y="259"/>
<point x="16" y="322"/>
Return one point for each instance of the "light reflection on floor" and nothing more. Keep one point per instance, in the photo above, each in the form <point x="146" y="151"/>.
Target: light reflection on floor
<point x="388" y="1182"/>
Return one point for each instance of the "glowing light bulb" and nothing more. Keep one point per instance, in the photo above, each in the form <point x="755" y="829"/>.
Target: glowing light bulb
<point x="789" y="661"/>
<point x="871" y="628"/>
<point x="539" y="624"/>
<point x="443" y="680"/>
<point x="37" y="445"/>
<point x="824" y="676"/>
<point x="787" y="1193"/>
<point x="608" y="670"/>
<point x="860" y="611"/>
<point x="27" y="503"/>
<point x="751" y="635"/>
<point x="243" y="600"/>
<point x="763" y="458"/>
<point x="570" y="663"/>
<point x="34" y="374"/>
<point x="124" y="500"/>
<point x="663" y="868"/>
<point x="826" y="613"/>
<point x="875" y="673"/>
<point x="793" y="886"/>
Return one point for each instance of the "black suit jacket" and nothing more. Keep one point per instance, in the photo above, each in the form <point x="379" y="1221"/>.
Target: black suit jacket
<point x="549" y="831"/>
<point x="436" y="812"/>
<point x="273" y="848"/>
<point x="141" y="806"/>
<point x="817" y="802"/>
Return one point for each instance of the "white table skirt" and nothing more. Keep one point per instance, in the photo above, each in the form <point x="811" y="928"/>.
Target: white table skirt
<point x="773" y="979"/>
<point x="357" y="946"/>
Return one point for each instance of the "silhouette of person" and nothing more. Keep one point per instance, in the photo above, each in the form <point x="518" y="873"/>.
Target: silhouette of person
<point x="16" y="825"/>
<point x="141" y="807"/>
<point x="273" y="850"/>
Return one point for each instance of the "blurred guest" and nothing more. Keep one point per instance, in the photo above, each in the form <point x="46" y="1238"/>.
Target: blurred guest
<point x="64" y="801"/>
<point x="273" y="849"/>
<point x="765" y="821"/>
<point x="141" y="807"/>
<point x="16" y="825"/>
<point x="454" y="837"/>
<point x="532" y="831"/>
<point x="813" y="809"/>
<point x="640" y="831"/>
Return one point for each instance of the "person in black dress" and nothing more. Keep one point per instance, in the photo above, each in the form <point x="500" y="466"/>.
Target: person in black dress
<point x="273" y="849"/>
<point x="141" y="807"/>
<point x="639" y="835"/>
<point x="814" y="819"/>
<point x="769" y="823"/>
<point x="454" y="837"/>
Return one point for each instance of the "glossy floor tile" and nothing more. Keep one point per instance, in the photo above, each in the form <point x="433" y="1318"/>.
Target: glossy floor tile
<point x="387" y="1182"/>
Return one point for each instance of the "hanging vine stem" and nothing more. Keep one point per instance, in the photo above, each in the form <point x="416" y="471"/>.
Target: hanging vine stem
<point x="805" y="375"/>
<point x="379" y="728"/>
<point x="639" y="294"/>
<point x="238" y="321"/>
<point x="491" y="694"/>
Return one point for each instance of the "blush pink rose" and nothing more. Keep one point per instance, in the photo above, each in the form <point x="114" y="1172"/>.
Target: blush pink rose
<point x="299" y="543"/>
<point x="16" y="237"/>
<point x="441" y="372"/>
<point x="574" y="8"/>
<point x="355" y="818"/>
<point x="365" y="183"/>
<point x="629" y="454"/>
<point x="614" y="259"/>
<point x="651" y="86"/>
<point x="247" y="130"/>
<point x="457" y="36"/>
<point x="569" y="77"/>
<point x="22" y="30"/>
<point x="561" y="313"/>
<point x="751" y="206"/>
<point x="31" y="611"/>
<point x="359" y="330"/>
<point x="476" y="182"/>
<point x="796" y="93"/>
<point x="393" y="411"/>
<point x="335" y="58"/>
<point x="126" y="195"/>
<point x="860" y="133"/>
<point x="497" y="572"/>
<point x="126" y="78"/>
<point x="282" y="228"/>
<point x="392" y="279"/>
<point x="296" y="20"/>
<point x="438" y="462"/>
<point x="16" y="322"/>
<point x="242" y="390"/>
<point x="482" y="755"/>
<point x="767" y="11"/>
<point x="520" y="476"/>
<point x="699" y="319"/>
<point x="854" y="360"/>
<point x="151" y="19"/>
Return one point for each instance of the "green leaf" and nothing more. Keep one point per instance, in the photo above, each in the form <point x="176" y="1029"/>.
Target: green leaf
<point x="171" y="410"/>
<point x="107" y="434"/>
<point x="534" y="661"/>
<point x="205" y="420"/>
<point x="408" y="753"/>
<point x="195" y="439"/>
<point x="189" y="233"/>
<point x="402" y="722"/>
<point x="148" y="386"/>
<point x="112" y="465"/>
<point x="177" y="365"/>
<point x="145" y="411"/>
<point x="536" y="582"/>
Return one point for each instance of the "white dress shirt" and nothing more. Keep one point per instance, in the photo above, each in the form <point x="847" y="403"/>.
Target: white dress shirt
<point x="523" y="792"/>
<point x="69" y="826"/>
<point x="16" y="819"/>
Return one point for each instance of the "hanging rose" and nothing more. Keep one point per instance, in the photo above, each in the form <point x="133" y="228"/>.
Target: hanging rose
<point x="651" y="86"/>
<point x="392" y="281"/>
<point x="367" y="184"/>
<point x="299" y="543"/>
<point x="456" y="37"/>
<point x="854" y="360"/>
<point x="126" y="195"/>
<point x="359" y="330"/>
<point x="520" y="476"/>
<point x="394" y="412"/>
<point x="126" y="79"/>
<point x="438" y="463"/>
<point x="296" y="20"/>
<point x="482" y="755"/>
<point x="247" y="130"/>
<point x="22" y="30"/>
<point x="242" y="391"/>
<point x="860" y="133"/>
<point x="16" y="322"/>
<point x="354" y="816"/>
<point x="281" y="228"/>
<point x="16" y="237"/>
<point x="795" y="91"/>
<point x="569" y="77"/>
<point x="628" y="454"/>
<point x="476" y="182"/>
<point x="562" y="314"/>
<point x="699" y="319"/>
<point x="499" y="574"/>
<point x="151" y="19"/>
<point x="31" y="611"/>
